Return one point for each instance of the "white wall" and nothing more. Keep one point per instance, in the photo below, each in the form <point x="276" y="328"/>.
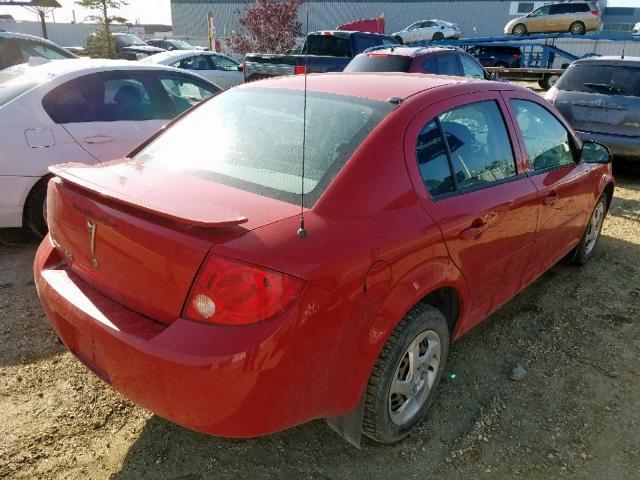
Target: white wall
<point x="64" y="34"/>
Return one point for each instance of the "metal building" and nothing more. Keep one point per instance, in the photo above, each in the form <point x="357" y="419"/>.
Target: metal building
<point x="476" y="17"/>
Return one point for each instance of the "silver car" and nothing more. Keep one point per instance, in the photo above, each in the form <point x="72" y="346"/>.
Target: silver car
<point x="600" y="97"/>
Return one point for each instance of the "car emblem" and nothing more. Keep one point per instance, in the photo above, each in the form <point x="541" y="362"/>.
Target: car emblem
<point x="91" y="228"/>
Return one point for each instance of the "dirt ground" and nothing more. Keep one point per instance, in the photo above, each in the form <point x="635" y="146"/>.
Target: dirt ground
<point x="576" y="414"/>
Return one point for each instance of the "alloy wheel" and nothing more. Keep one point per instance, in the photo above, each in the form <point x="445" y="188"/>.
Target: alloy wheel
<point x="414" y="377"/>
<point x="593" y="231"/>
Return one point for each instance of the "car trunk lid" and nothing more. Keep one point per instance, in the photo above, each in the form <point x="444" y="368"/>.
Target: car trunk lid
<point x="610" y="114"/>
<point x="601" y="98"/>
<point x="140" y="239"/>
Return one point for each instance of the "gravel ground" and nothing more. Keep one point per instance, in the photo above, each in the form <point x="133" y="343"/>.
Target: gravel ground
<point x="575" y="414"/>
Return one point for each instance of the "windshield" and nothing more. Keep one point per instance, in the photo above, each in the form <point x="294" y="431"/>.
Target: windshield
<point x="126" y="40"/>
<point x="604" y="79"/>
<point x="13" y="84"/>
<point x="252" y="139"/>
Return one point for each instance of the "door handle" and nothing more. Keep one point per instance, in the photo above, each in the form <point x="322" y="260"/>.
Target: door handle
<point x="477" y="227"/>
<point x="551" y="198"/>
<point x="99" y="139"/>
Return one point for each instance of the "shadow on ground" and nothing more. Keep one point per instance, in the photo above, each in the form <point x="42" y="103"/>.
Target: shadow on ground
<point x="538" y="427"/>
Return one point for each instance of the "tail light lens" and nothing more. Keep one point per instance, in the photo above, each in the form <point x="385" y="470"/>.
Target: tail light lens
<point x="227" y="292"/>
<point x="299" y="69"/>
<point x="595" y="12"/>
<point x="517" y="56"/>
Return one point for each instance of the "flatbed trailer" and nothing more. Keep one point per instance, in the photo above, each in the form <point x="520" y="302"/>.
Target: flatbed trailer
<point x="546" y="77"/>
<point x="539" y="53"/>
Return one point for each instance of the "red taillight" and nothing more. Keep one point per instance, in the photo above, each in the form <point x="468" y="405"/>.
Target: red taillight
<point x="517" y="56"/>
<point x="299" y="69"/>
<point x="327" y="33"/>
<point x="227" y="292"/>
<point x="595" y="12"/>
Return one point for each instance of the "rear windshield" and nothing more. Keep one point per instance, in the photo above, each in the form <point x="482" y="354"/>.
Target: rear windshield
<point x="379" y="63"/>
<point x="605" y="79"/>
<point x="13" y="83"/>
<point x="328" y="45"/>
<point x="252" y="139"/>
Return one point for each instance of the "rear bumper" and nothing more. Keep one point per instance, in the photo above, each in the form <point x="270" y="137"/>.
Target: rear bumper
<point x="226" y="381"/>
<point x="622" y="147"/>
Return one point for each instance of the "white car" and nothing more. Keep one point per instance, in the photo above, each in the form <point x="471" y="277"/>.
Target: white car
<point x="17" y="48"/>
<point x="215" y="67"/>
<point x="636" y="30"/>
<point x="427" y="30"/>
<point x="79" y="110"/>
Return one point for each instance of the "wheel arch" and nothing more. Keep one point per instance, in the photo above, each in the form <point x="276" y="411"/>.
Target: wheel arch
<point x="608" y="191"/>
<point x="36" y="181"/>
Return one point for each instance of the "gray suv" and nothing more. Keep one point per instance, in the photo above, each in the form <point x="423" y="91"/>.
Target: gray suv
<point x="600" y="97"/>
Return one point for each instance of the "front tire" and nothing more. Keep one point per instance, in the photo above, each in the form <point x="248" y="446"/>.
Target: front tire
<point x="399" y="40"/>
<point x="404" y="380"/>
<point x="584" y="251"/>
<point x="35" y="208"/>
<point x="519" y="30"/>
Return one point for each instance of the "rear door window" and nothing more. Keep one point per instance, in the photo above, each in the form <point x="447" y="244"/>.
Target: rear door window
<point x="546" y="140"/>
<point x="223" y="63"/>
<point x="603" y="79"/>
<point x="108" y="98"/>
<point x="476" y="148"/>
<point x="444" y="64"/>
<point x="197" y="62"/>
<point x="433" y="162"/>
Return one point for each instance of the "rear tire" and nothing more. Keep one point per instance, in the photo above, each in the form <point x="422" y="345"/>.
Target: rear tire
<point x="35" y="208"/>
<point x="399" y="40"/>
<point x="437" y="36"/>
<point x="519" y="30"/>
<point x="411" y="361"/>
<point x="577" y="28"/>
<point x="584" y="251"/>
<point x="549" y="81"/>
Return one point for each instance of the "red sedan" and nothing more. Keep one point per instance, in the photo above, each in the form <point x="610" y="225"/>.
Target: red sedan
<point x="182" y="276"/>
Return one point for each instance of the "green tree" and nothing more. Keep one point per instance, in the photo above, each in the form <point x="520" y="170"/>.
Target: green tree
<point x="102" y="44"/>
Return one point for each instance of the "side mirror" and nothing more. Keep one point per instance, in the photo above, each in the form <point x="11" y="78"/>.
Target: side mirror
<point x="594" y="152"/>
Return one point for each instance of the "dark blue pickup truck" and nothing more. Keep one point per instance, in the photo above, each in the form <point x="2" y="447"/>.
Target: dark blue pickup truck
<point x="325" y="51"/>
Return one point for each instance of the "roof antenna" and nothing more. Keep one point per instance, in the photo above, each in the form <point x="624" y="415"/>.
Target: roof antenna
<point x="302" y="233"/>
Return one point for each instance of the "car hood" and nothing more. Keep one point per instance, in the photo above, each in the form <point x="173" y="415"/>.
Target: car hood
<point x="148" y="49"/>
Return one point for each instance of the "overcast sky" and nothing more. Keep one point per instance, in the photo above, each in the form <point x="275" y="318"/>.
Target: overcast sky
<point x="159" y="11"/>
<point x="147" y="11"/>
